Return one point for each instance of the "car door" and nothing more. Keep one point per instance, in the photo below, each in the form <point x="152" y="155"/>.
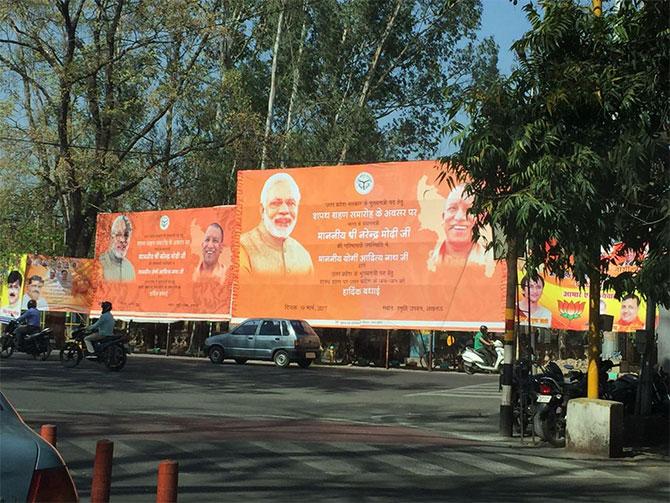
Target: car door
<point x="242" y="340"/>
<point x="269" y="338"/>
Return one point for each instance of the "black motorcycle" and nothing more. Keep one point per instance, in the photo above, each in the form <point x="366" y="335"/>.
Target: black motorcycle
<point x="39" y="344"/>
<point x="111" y="351"/>
<point x="526" y="389"/>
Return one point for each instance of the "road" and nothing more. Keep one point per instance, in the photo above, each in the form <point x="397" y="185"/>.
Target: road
<point x="250" y="432"/>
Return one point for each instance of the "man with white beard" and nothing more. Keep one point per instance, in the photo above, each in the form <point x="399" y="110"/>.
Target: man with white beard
<point x="268" y="249"/>
<point x="115" y="265"/>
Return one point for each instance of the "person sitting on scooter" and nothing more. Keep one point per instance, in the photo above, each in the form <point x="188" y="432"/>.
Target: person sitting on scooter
<point x="484" y="346"/>
<point x="32" y="319"/>
<point x="104" y="327"/>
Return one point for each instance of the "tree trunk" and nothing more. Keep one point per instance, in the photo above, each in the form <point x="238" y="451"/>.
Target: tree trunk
<point x="594" y="332"/>
<point x="372" y="67"/>
<point x="506" y="405"/>
<point x="294" y="86"/>
<point x="271" y="98"/>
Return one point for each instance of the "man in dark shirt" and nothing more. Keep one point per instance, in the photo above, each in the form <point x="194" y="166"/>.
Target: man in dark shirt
<point x="32" y="323"/>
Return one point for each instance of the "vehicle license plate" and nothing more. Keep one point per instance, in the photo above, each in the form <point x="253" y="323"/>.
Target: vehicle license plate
<point x="543" y="398"/>
<point x="310" y="355"/>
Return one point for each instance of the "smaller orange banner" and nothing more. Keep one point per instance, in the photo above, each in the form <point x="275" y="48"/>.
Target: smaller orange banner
<point x="171" y="264"/>
<point x="59" y="283"/>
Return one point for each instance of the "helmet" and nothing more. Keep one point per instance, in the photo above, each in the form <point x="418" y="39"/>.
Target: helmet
<point x="483" y="328"/>
<point x="32" y="304"/>
<point x="106" y="306"/>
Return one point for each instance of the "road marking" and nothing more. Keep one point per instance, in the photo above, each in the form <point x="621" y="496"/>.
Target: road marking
<point x="483" y="390"/>
<point x="477" y="460"/>
<point x="320" y="461"/>
<point x="576" y="471"/>
<point x="412" y="465"/>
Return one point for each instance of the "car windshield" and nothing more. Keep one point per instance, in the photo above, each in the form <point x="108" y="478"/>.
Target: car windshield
<point x="302" y="328"/>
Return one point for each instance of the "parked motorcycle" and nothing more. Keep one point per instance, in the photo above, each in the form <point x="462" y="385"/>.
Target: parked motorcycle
<point x="39" y="344"/>
<point x="111" y="350"/>
<point x="525" y="390"/>
<point x="473" y="361"/>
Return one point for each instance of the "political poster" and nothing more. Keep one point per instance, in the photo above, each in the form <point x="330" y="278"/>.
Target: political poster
<point x="11" y="286"/>
<point x="368" y="245"/>
<point x="164" y="265"/>
<point x="59" y="283"/>
<point x="561" y="304"/>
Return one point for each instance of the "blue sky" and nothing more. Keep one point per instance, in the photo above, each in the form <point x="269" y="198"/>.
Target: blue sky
<point x="506" y="23"/>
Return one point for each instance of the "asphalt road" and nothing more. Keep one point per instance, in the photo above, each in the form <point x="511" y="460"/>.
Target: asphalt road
<point x="252" y="432"/>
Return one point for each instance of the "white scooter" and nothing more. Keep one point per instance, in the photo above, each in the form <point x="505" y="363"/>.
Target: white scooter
<point x="474" y="362"/>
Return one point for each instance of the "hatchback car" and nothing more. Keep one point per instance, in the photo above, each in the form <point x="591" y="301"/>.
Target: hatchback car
<point x="30" y="468"/>
<point x="279" y="340"/>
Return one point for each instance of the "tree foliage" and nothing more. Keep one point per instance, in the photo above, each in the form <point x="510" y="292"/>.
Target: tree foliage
<point x="115" y="105"/>
<point x="583" y="161"/>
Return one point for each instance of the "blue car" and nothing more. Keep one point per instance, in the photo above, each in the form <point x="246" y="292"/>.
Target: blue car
<point x="31" y="469"/>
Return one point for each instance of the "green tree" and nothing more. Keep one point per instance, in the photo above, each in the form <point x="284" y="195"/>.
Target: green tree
<point x="584" y="161"/>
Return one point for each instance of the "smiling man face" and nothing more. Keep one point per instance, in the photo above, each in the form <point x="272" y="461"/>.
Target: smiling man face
<point x="211" y="246"/>
<point x="458" y="223"/>
<point x="280" y="209"/>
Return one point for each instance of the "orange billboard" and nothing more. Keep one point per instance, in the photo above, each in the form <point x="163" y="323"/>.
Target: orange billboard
<point x="171" y="264"/>
<point x="373" y="245"/>
<point x="59" y="283"/>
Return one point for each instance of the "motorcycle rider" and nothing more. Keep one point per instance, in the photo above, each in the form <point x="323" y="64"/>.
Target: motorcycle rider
<point x="484" y="346"/>
<point x="32" y="320"/>
<point x="104" y="328"/>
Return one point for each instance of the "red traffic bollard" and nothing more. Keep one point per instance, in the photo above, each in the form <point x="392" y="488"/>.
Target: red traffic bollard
<point x="168" y="475"/>
<point x="48" y="433"/>
<point x="102" y="472"/>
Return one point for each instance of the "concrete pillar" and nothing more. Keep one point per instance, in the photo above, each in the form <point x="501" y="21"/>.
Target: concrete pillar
<point x="595" y="427"/>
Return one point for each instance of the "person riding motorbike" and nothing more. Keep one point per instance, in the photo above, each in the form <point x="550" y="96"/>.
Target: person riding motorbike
<point x="32" y="323"/>
<point x="104" y="328"/>
<point x="484" y="346"/>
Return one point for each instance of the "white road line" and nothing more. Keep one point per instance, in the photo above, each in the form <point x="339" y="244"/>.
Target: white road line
<point x="476" y="389"/>
<point x="482" y="463"/>
<point x="576" y="471"/>
<point x="412" y="465"/>
<point x="318" y="460"/>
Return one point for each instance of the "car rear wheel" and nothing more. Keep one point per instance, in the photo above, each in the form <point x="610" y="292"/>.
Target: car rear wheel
<point x="216" y="354"/>
<point x="281" y="359"/>
<point x="305" y="363"/>
<point x="240" y="361"/>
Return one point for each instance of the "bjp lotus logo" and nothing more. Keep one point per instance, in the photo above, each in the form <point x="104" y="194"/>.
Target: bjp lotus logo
<point x="571" y="309"/>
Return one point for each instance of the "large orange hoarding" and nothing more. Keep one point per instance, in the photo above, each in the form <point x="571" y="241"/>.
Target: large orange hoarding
<point x="369" y="245"/>
<point x="171" y="264"/>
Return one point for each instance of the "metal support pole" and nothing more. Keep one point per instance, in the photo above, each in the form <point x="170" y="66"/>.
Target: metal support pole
<point x="430" y="350"/>
<point x="388" y="341"/>
<point x="167" y="342"/>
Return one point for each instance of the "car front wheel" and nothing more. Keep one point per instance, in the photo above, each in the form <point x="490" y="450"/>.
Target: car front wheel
<point x="216" y="354"/>
<point x="281" y="359"/>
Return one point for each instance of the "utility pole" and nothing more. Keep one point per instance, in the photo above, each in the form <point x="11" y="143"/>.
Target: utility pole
<point x="506" y="406"/>
<point x="597" y="7"/>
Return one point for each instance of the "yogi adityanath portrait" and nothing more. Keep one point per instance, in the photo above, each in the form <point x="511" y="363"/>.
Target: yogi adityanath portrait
<point x="211" y="247"/>
<point x="268" y="249"/>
